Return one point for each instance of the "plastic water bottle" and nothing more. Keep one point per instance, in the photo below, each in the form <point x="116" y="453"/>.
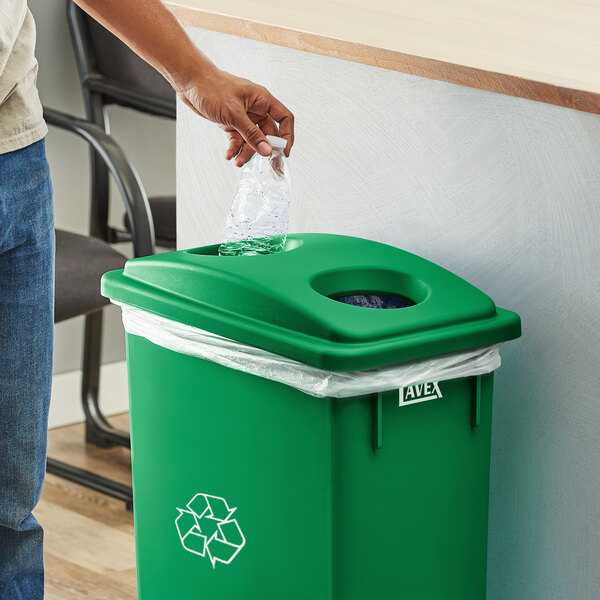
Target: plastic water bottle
<point x="258" y="220"/>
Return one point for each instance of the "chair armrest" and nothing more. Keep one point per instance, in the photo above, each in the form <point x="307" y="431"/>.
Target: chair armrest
<point x="125" y="175"/>
<point x="160" y="107"/>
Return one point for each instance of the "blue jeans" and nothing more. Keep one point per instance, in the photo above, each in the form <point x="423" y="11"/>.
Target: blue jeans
<point x="26" y="329"/>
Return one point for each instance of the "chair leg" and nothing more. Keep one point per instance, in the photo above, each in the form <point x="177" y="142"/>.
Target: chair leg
<point x="91" y="480"/>
<point x="98" y="430"/>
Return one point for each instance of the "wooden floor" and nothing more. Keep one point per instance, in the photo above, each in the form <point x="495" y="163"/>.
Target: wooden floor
<point x="88" y="543"/>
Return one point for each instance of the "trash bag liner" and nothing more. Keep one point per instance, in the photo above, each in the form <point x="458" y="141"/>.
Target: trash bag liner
<point x="192" y="341"/>
<point x="375" y="301"/>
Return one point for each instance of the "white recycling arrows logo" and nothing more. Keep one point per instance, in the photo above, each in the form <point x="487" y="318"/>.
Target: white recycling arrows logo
<point x="206" y="528"/>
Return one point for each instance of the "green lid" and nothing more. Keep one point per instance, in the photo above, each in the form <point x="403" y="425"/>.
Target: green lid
<point x="287" y="302"/>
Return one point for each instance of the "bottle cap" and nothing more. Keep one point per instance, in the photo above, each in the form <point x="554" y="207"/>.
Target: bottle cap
<point x="277" y="142"/>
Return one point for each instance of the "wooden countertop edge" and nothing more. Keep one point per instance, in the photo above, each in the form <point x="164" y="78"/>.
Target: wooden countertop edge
<point x="389" y="59"/>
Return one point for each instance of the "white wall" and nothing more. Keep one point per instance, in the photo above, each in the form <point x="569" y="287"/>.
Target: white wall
<point x="149" y="142"/>
<point x="503" y="191"/>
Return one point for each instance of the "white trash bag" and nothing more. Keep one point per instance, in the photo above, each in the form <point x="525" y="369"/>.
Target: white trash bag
<point x="308" y="379"/>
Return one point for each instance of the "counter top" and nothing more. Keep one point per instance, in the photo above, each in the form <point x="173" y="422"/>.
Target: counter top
<point x="545" y="50"/>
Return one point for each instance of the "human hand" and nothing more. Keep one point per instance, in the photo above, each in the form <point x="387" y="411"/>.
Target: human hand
<point x="247" y="112"/>
<point x="236" y="104"/>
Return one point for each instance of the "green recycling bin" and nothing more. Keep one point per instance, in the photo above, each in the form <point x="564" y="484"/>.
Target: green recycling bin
<point x="309" y="425"/>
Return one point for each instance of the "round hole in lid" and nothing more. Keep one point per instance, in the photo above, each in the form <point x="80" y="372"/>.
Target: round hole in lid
<point x="370" y="287"/>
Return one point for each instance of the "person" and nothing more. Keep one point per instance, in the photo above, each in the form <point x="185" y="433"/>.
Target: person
<point x="244" y="110"/>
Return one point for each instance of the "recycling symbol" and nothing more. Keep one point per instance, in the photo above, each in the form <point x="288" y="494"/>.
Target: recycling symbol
<point x="206" y="528"/>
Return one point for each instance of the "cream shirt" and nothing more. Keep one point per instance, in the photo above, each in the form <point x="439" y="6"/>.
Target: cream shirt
<point x="21" y="121"/>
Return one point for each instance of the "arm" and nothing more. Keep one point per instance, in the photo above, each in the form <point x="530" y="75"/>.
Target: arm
<point x="237" y="105"/>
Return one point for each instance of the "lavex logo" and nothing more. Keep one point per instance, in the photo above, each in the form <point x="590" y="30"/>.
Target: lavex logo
<point x="420" y="393"/>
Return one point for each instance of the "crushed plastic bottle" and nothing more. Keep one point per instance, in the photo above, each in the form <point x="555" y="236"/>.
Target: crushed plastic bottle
<point x="258" y="219"/>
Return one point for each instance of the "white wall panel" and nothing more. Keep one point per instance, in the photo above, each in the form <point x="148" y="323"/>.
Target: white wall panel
<point x="503" y="191"/>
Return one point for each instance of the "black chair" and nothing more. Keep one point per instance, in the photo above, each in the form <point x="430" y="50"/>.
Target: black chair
<point x="80" y="262"/>
<point x="110" y="73"/>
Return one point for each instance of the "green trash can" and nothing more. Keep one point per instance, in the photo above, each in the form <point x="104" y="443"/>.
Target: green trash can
<point x="254" y="478"/>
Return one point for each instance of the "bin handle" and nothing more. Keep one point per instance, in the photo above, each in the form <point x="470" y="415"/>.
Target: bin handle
<point x="377" y="411"/>
<point x="476" y="405"/>
<point x="377" y="415"/>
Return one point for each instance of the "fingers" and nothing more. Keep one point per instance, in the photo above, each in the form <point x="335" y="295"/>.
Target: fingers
<point x="254" y="123"/>
<point x="244" y="156"/>
<point x="268" y="127"/>
<point x="285" y="118"/>
<point x="252" y="134"/>
<point x="238" y="105"/>
<point x="235" y="145"/>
